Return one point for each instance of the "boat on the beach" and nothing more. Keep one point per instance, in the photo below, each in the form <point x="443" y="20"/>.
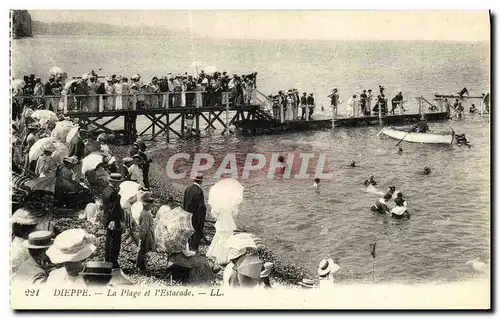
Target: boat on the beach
<point x="415" y="137"/>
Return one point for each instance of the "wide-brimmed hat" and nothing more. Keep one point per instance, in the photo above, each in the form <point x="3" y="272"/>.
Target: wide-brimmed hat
<point x="250" y="266"/>
<point x="327" y="266"/>
<point x="70" y="159"/>
<point x="71" y="245"/>
<point x="267" y="270"/>
<point x="307" y="283"/>
<point x="33" y="126"/>
<point x="115" y="177"/>
<point x="238" y="244"/>
<point x="39" y="240"/>
<point x="97" y="268"/>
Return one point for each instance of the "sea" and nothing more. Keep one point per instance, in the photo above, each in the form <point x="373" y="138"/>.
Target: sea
<point x="450" y="208"/>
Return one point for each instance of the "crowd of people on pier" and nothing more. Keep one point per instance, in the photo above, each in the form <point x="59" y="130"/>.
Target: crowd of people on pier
<point x="121" y="93"/>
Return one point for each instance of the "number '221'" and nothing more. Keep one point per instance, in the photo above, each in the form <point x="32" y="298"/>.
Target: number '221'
<point x="31" y="292"/>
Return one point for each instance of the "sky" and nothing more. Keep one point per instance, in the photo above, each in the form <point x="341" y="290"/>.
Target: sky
<point x="335" y="25"/>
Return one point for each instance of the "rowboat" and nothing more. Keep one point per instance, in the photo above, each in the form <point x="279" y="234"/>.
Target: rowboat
<point x="414" y="137"/>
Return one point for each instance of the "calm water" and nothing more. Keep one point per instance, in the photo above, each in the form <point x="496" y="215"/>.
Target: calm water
<point x="450" y="221"/>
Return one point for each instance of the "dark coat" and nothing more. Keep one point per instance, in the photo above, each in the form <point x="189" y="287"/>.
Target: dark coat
<point x="112" y="210"/>
<point x="146" y="231"/>
<point x="194" y="203"/>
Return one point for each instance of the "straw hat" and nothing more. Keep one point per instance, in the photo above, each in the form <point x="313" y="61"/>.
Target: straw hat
<point x="97" y="268"/>
<point x="33" y="126"/>
<point x="250" y="266"/>
<point x="23" y="216"/>
<point x="237" y="245"/>
<point x="39" y="240"/>
<point x="267" y="270"/>
<point x="307" y="283"/>
<point x="70" y="159"/>
<point x="71" y="245"/>
<point x="116" y="177"/>
<point x="327" y="266"/>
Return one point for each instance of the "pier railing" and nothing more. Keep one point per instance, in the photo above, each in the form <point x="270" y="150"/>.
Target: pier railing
<point x="66" y="103"/>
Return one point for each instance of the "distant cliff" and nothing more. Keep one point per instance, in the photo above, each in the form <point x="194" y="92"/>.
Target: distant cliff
<point x="21" y="24"/>
<point x="101" y="29"/>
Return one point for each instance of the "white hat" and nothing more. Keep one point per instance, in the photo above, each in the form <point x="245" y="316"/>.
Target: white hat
<point x="48" y="146"/>
<point x="71" y="245"/>
<point x="23" y="216"/>
<point x="327" y="266"/>
<point x="237" y="245"/>
<point x="85" y="76"/>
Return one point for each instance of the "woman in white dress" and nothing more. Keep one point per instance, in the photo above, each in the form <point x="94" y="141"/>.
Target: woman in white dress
<point x="224" y="228"/>
<point x="118" y="88"/>
<point x="109" y="99"/>
<point x="93" y="101"/>
<point x="125" y="92"/>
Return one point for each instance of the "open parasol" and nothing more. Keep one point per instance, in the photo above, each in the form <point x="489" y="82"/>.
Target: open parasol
<point x="55" y="70"/>
<point x="43" y="116"/>
<point x="72" y="136"/>
<point x="225" y="195"/>
<point x="18" y="84"/>
<point x="210" y="69"/>
<point x="238" y="243"/>
<point x="60" y="132"/>
<point x="176" y="231"/>
<point x="129" y="189"/>
<point x="37" y="149"/>
<point x="91" y="161"/>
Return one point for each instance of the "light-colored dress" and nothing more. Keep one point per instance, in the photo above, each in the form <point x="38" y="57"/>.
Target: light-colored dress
<point x="29" y="272"/>
<point x="18" y="254"/>
<point x="125" y="97"/>
<point x="118" y="101"/>
<point x="93" y="103"/>
<point x="224" y="228"/>
<point x="59" y="277"/>
<point x="109" y="100"/>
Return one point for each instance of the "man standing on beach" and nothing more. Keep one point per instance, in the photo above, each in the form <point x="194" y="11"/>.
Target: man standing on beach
<point x="113" y="218"/>
<point x="194" y="203"/>
<point x="310" y="104"/>
<point x="303" y="103"/>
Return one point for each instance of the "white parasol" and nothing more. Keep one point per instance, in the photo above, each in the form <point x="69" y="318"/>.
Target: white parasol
<point x="55" y="70"/>
<point x="210" y="69"/>
<point x="43" y="116"/>
<point x="174" y="230"/>
<point x="18" y="84"/>
<point x="37" y="149"/>
<point x="61" y="130"/>
<point x="91" y="161"/>
<point x="68" y="84"/>
<point x="136" y="210"/>
<point x="225" y="195"/>
<point x="72" y="136"/>
<point x="129" y="189"/>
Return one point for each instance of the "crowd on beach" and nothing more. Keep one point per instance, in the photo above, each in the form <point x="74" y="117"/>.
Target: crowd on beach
<point x="121" y="93"/>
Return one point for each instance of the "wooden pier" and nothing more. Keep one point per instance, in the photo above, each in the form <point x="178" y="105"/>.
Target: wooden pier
<point x="166" y="120"/>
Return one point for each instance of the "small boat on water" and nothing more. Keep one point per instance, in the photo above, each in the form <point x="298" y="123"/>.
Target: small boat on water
<point x="414" y="137"/>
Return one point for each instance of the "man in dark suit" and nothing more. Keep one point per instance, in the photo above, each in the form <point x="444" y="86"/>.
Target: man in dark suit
<point x="194" y="203"/>
<point x="113" y="219"/>
<point x="145" y="163"/>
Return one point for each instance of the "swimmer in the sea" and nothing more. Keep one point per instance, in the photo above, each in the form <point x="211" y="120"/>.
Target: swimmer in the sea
<point x="400" y="150"/>
<point x="380" y="206"/>
<point x="401" y="210"/>
<point x="353" y="164"/>
<point x="370" y="181"/>
<point x="427" y="170"/>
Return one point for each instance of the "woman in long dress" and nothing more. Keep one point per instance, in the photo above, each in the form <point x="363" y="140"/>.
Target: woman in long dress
<point x="125" y="92"/>
<point x="224" y="228"/>
<point x="93" y="101"/>
<point x="109" y="98"/>
<point x="118" y="90"/>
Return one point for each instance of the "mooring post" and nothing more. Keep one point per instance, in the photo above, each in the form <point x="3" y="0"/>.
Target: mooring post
<point x="101" y="103"/>
<point x="197" y="115"/>
<point x="167" y="96"/>
<point x="333" y="117"/>
<point x="227" y="112"/>
<point x="65" y="104"/>
<point x="481" y="106"/>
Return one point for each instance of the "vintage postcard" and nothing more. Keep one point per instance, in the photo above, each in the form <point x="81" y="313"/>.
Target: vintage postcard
<point x="250" y="159"/>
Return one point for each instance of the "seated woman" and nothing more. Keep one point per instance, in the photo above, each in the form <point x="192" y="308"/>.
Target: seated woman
<point x="401" y="210"/>
<point x="380" y="206"/>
